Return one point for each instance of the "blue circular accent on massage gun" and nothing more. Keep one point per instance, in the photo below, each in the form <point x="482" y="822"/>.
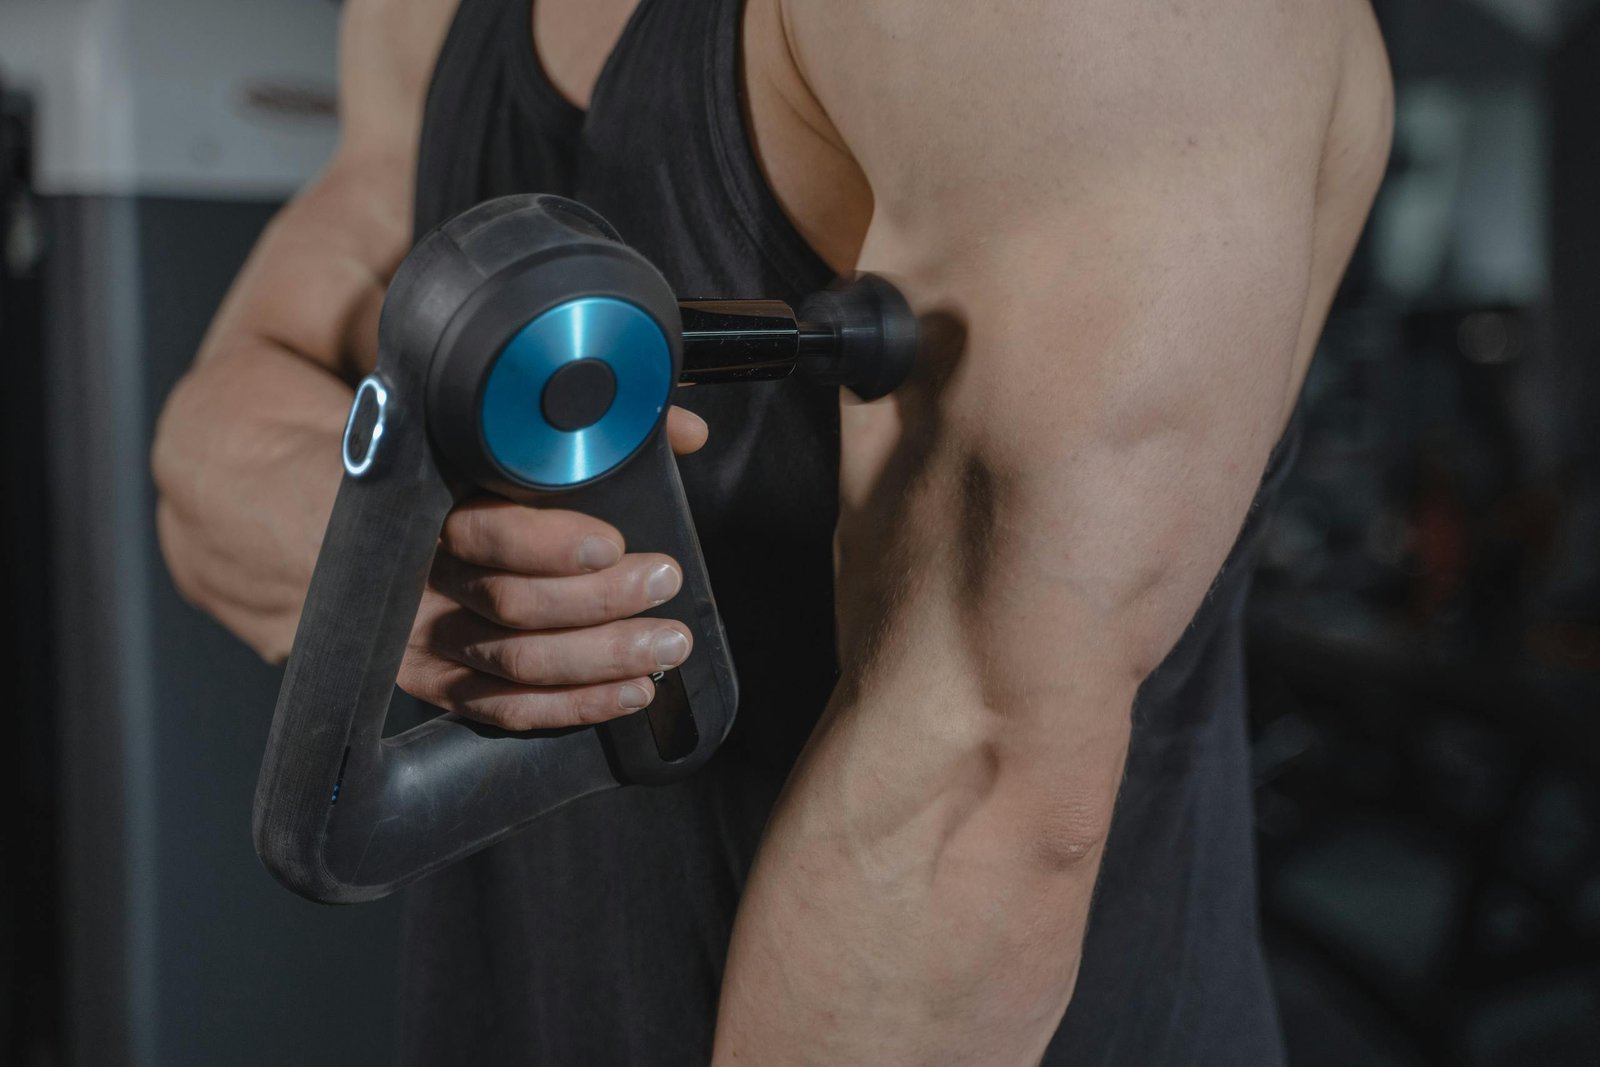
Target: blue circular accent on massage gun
<point x="515" y="430"/>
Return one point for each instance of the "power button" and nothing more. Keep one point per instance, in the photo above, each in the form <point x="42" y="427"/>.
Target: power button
<point x="363" y="432"/>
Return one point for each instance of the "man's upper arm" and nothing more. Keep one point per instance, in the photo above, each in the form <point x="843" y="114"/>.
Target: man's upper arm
<point x="387" y="50"/>
<point x="315" y="281"/>
<point x="1106" y="211"/>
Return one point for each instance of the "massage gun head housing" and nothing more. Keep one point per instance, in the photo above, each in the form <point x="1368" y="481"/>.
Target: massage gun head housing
<point x="551" y="348"/>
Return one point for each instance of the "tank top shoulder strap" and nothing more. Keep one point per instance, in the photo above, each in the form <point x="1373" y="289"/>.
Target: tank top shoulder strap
<point x="670" y="98"/>
<point x="492" y="123"/>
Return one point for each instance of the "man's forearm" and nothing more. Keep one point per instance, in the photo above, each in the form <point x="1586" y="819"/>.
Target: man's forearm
<point x="246" y="452"/>
<point x="247" y="463"/>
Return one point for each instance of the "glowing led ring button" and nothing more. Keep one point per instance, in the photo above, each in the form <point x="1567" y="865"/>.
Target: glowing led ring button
<point x="363" y="431"/>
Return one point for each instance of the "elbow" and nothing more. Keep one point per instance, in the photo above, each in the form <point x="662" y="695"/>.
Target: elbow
<point x="978" y="812"/>
<point x="173" y="470"/>
<point x="169" y="462"/>
<point x="1038" y="803"/>
<point x="1065" y="839"/>
<point x="268" y="634"/>
<point x="1051" y="806"/>
<point x="1060" y="756"/>
<point x="182" y="460"/>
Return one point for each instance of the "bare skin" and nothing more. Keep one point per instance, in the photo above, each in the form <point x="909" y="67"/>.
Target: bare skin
<point x="1025" y="530"/>
<point x="1125" y="226"/>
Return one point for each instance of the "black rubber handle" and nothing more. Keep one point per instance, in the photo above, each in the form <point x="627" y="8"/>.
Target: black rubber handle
<point x="343" y="814"/>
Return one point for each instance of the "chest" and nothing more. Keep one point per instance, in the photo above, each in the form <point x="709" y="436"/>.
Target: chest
<point x="810" y="171"/>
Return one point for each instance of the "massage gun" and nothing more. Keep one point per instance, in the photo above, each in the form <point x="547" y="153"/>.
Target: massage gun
<point x="525" y="351"/>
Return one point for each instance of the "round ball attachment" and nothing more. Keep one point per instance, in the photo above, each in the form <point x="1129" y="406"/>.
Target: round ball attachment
<point x="575" y="392"/>
<point x="874" y="336"/>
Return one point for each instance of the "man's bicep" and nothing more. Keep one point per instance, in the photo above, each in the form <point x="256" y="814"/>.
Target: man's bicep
<point x="1115" y="253"/>
<point x="1103" y="392"/>
<point x="1113" y="277"/>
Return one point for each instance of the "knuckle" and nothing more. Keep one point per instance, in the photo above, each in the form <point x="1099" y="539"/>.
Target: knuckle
<point x="613" y="595"/>
<point x="624" y="652"/>
<point x="511" y="602"/>
<point x="590" y="706"/>
<point x="408" y="681"/>
<point x="528" y="660"/>
<point x="461" y="530"/>
<point x="421" y="677"/>
<point x="506" y="714"/>
<point x="481" y="530"/>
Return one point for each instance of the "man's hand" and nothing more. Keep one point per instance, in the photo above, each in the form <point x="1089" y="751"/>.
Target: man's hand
<point x="527" y="620"/>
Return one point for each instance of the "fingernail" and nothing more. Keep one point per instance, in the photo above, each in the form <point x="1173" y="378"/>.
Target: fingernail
<point x="663" y="583"/>
<point x="632" y="697"/>
<point x="670" y="648"/>
<point x="597" y="553"/>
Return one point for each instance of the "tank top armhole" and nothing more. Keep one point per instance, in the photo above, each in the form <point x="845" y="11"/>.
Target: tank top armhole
<point x="535" y="94"/>
<point x="431" y="179"/>
<point x="755" y="204"/>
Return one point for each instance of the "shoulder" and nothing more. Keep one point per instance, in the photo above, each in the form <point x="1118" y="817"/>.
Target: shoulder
<point x="387" y="50"/>
<point x="1362" y="124"/>
<point x="1044" y="77"/>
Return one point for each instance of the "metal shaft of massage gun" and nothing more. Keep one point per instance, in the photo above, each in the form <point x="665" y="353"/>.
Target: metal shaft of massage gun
<point x="752" y="341"/>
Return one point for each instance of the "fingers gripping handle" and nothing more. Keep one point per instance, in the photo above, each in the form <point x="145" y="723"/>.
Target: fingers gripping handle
<point x="694" y="705"/>
<point x="341" y="814"/>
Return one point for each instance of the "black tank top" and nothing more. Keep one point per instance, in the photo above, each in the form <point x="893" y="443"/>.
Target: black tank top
<point x="598" y="935"/>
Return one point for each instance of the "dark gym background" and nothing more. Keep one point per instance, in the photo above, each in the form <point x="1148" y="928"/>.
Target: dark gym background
<point x="1426" y="629"/>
